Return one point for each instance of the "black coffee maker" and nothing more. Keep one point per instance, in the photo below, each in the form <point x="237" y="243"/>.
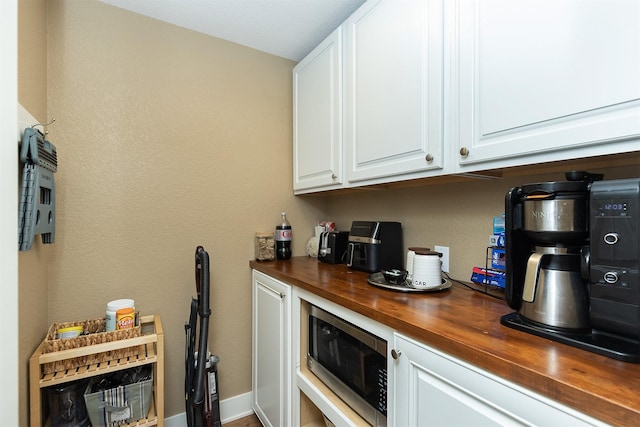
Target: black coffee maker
<point x="550" y="237"/>
<point x="612" y="260"/>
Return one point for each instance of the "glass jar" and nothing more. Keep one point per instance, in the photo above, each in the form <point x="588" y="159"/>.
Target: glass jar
<point x="265" y="246"/>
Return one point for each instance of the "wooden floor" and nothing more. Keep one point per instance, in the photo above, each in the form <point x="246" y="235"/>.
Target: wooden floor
<point x="249" y="421"/>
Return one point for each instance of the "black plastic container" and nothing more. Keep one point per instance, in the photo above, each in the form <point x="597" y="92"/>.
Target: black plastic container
<point x="67" y="406"/>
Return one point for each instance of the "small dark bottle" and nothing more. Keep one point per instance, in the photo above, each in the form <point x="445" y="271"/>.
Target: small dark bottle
<point x="283" y="238"/>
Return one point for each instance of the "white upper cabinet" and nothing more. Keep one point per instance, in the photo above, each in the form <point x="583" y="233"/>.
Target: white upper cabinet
<point x="317" y="117"/>
<point x="409" y="89"/>
<point x="546" y="80"/>
<point x="394" y="90"/>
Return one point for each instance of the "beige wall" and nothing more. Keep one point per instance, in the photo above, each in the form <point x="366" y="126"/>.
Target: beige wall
<point x="167" y="139"/>
<point x="33" y="265"/>
<point x="32" y="57"/>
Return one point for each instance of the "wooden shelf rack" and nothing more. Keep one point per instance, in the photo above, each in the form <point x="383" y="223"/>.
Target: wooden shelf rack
<point x="152" y="339"/>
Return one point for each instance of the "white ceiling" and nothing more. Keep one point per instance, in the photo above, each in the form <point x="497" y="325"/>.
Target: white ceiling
<point x="286" y="28"/>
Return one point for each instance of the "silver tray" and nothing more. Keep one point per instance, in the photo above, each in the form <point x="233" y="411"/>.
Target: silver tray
<point x="377" y="279"/>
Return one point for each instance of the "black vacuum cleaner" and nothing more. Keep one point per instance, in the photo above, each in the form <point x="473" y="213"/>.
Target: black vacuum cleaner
<point x="201" y="372"/>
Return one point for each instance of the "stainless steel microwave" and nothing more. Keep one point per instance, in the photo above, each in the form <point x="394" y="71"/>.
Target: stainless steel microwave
<point x="351" y="362"/>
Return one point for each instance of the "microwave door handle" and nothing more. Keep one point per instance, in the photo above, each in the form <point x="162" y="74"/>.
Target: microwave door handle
<point x="335" y="353"/>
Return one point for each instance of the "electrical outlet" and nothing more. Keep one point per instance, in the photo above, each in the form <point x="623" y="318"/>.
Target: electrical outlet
<point x="444" y="250"/>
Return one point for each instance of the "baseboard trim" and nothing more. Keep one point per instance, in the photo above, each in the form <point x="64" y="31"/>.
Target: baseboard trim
<point x="230" y="409"/>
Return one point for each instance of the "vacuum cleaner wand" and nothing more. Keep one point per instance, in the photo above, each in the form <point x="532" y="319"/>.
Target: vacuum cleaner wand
<point x="201" y="382"/>
<point x="204" y="311"/>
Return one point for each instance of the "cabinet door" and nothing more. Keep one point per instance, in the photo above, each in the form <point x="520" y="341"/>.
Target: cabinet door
<point x="433" y="388"/>
<point x="317" y="117"/>
<point x="394" y="89"/>
<point x="547" y="80"/>
<point x="424" y="397"/>
<point x="271" y="351"/>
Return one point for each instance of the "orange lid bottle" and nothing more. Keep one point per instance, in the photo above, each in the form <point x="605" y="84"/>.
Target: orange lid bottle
<point x="125" y="318"/>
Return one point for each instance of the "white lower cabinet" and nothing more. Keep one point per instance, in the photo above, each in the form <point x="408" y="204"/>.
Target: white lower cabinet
<point x="432" y="388"/>
<point x="425" y="387"/>
<point x="271" y="350"/>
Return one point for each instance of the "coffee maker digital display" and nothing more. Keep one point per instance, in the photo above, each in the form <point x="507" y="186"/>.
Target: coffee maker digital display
<point x="572" y="263"/>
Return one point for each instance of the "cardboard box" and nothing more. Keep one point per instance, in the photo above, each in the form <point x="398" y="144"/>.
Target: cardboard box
<point x="496" y="240"/>
<point x="488" y="277"/>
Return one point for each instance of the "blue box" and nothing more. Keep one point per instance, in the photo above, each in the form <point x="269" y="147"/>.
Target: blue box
<point x="488" y="277"/>
<point x="497" y="258"/>
<point x="496" y="240"/>
<point x="498" y="224"/>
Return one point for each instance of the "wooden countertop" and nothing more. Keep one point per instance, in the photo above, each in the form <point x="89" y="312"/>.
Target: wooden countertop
<point x="466" y="324"/>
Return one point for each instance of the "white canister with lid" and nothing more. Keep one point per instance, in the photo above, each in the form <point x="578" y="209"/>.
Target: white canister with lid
<point x="427" y="271"/>
<point x="411" y="256"/>
<point x="112" y="309"/>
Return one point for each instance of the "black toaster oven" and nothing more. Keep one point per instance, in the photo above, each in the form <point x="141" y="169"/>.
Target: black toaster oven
<point x="333" y="247"/>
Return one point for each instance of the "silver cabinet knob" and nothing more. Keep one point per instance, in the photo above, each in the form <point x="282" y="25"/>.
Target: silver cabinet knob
<point x="334" y="176"/>
<point x="429" y="157"/>
<point x="464" y="151"/>
<point x="395" y="354"/>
